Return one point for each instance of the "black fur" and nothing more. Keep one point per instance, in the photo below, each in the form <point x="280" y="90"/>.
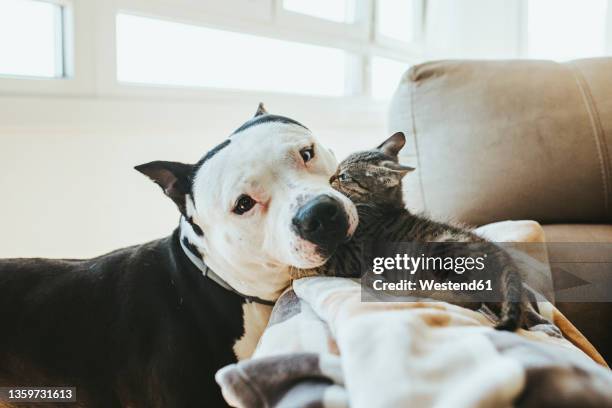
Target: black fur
<point x="196" y="228"/>
<point x="204" y="159"/>
<point x="267" y="118"/>
<point x="139" y="326"/>
<point x="192" y="248"/>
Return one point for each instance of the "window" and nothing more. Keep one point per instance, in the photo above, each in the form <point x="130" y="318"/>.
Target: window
<point x="566" y="29"/>
<point x="398" y="20"/>
<point x="386" y="74"/>
<point x="31" y="39"/>
<point x="339" y="11"/>
<point x="131" y="47"/>
<point x="152" y="51"/>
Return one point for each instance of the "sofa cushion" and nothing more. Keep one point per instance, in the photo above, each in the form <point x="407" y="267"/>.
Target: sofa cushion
<point x="578" y="233"/>
<point x="496" y="140"/>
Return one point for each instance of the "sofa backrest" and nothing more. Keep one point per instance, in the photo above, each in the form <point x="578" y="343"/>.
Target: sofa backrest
<point x="496" y="140"/>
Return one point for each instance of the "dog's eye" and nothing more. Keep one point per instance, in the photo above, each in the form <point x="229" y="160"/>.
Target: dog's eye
<point x="307" y="153"/>
<point x="244" y="204"/>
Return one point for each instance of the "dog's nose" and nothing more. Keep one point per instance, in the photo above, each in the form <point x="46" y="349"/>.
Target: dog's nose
<point x="322" y="221"/>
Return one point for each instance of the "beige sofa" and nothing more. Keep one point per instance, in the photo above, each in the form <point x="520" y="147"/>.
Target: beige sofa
<point x="502" y="140"/>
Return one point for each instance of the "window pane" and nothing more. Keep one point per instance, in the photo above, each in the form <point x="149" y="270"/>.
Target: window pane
<point x="341" y="11"/>
<point x="566" y="29"/>
<point x="30" y="38"/>
<point x="152" y="51"/>
<point x="396" y="19"/>
<point x="386" y="74"/>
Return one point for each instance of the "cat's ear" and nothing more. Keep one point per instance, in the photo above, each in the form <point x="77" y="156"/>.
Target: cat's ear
<point x="393" y="145"/>
<point x="398" y="168"/>
<point x="261" y="110"/>
<point x="391" y="173"/>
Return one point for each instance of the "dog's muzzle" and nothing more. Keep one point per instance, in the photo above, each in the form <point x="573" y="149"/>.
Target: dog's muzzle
<point x="324" y="222"/>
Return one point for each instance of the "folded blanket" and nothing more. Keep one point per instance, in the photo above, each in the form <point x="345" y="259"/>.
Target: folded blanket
<point x="324" y="347"/>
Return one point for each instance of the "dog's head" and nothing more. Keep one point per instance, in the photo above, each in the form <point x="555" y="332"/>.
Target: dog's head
<point x="260" y="203"/>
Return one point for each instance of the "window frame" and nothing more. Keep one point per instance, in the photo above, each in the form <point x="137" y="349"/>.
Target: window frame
<point x="358" y="30"/>
<point x="90" y="67"/>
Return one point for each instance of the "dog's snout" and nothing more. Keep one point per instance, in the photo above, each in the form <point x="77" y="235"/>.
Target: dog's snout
<point x="320" y="216"/>
<point x="322" y="221"/>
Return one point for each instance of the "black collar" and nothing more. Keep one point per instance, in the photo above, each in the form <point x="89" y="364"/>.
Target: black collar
<point x="210" y="274"/>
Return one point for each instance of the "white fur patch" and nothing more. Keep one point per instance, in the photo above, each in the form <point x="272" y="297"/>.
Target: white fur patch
<point x="254" y="252"/>
<point x="256" y="318"/>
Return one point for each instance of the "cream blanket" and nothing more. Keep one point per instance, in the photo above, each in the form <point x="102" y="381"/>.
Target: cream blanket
<point x="324" y="347"/>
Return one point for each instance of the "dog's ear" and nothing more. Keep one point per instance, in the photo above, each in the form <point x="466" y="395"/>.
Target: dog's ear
<point x="393" y="145"/>
<point x="261" y="110"/>
<point x="173" y="177"/>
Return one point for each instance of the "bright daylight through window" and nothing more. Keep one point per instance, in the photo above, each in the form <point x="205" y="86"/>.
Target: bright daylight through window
<point x="370" y="43"/>
<point x="31" y="39"/>
<point x="151" y="51"/>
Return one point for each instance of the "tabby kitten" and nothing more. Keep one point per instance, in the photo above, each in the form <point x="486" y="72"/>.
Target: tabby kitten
<point x="372" y="179"/>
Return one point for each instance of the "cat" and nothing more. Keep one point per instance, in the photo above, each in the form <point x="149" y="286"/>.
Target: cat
<point x="372" y="179"/>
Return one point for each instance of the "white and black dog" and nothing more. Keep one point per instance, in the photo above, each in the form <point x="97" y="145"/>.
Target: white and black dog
<point x="149" y="325"/>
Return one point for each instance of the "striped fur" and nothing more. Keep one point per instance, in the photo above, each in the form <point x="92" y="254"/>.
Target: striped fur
<point x="372" y="180"/>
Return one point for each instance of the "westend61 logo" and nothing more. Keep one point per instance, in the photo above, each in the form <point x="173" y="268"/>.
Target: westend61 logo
<point x="430" y="269"/>
<point x="479" y="272"/>
<point x="436" y="265"/>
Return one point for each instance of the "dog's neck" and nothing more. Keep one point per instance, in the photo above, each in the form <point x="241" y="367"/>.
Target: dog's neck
<point x="252" y="281"/>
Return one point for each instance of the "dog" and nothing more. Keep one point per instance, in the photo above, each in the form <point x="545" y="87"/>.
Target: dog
<point x="149" y="325"/>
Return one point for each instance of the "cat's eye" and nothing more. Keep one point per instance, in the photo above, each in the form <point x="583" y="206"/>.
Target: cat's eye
<point x="307" y="154"/>
<point x="343" y="177"/>
<point x="244" y="203"/>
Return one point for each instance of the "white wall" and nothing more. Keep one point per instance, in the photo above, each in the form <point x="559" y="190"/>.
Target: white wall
<point x="66" y="179"/>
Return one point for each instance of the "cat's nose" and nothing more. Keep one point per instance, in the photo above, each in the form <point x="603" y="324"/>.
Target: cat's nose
<point x="322" y="221"/>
